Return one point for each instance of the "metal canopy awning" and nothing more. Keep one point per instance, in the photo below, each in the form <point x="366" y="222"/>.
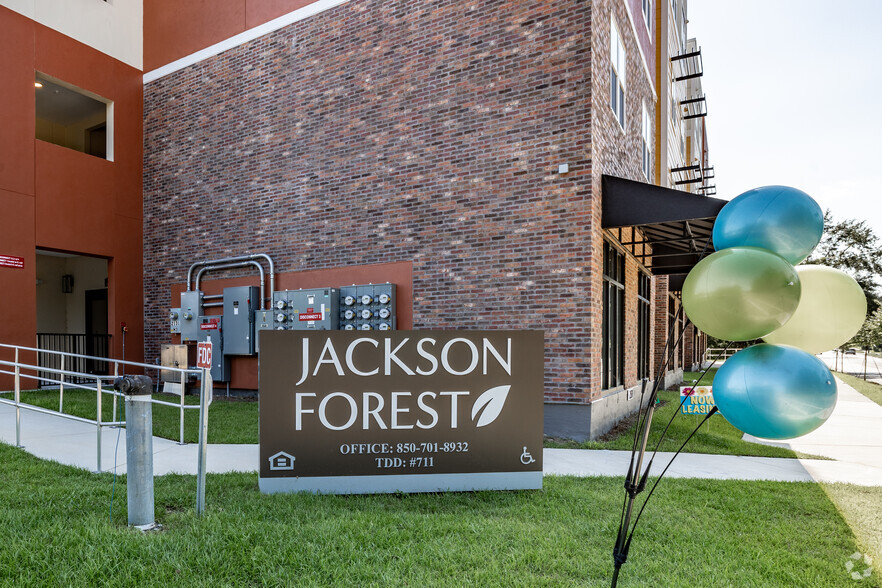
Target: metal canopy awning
<point x="676" y="225"/>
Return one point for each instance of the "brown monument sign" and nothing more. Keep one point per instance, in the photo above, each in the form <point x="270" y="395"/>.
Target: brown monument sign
<point x="411" y="411"/>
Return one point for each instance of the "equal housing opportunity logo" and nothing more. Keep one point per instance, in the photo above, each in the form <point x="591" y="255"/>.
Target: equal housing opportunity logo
<point x="402" y="403"/>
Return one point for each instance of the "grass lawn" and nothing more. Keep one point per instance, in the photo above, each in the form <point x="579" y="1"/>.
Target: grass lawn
<point x="868" y="389"/>
<point x="56" y="532"/>
<point x="859" y="506"/>
<point x="717" y="436"/>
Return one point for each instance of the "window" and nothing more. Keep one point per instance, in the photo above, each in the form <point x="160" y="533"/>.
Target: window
<point x="644" y="293"/>
<point x="613" y="324"/>
<point x="646" y="140"/>
<point x="617" y="73"/>
<point x="647" y="15"/>
<point x="73" y="117"/>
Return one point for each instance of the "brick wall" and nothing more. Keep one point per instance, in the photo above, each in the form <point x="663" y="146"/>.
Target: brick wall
<point x="617" y="152"/>
<point x="406" y="131"/>
<point x="395" y="131"/>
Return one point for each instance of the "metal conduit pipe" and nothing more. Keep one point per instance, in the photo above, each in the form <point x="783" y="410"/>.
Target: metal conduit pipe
<point x="269" y="260"/>
<point x="209" y="268"/>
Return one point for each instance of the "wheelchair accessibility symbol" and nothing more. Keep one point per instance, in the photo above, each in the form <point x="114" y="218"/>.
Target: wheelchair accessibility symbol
<point x="526" y="458"/>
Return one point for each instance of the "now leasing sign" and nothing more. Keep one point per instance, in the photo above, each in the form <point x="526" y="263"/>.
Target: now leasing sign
<point x="411" y="411"/>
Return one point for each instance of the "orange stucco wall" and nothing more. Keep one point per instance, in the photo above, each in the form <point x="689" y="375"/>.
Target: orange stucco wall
<point x="60" y="199"/>
<point x="174" y="29"/>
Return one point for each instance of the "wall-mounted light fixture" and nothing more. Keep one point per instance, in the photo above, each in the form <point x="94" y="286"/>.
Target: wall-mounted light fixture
<point x="67" y="283"/>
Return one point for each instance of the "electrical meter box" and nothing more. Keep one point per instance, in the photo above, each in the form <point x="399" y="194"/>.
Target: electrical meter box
<point x="173" y="356"/>
<point x="211" y="328"/>
<point x="263" y="321"/>
<point x="239" y="306"/>
<point x="302" y="310"/>
<point x="191" y="310"/>
<point x="368" y="307"/>
<point x="174" y="321"/>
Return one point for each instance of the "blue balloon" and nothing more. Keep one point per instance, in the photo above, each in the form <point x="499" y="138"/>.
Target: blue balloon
<point x="775" y="391"/>
<point x="783" y="220"/>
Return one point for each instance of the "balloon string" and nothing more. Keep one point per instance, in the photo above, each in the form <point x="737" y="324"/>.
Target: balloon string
<point x="668" y="355"/>
<point x="683" y="401"/>
<point x="662" y="475"/>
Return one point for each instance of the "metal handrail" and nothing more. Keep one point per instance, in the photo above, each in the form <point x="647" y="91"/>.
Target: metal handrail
<point x="205" y="391"/>
<point x="64" y="415"/>
<point x="108" y="360"/>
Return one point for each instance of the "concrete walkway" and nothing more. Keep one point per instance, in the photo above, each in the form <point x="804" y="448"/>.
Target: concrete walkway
<point x="852" y="438"/>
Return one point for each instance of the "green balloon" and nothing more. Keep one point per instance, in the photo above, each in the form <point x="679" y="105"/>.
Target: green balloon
<point x="831" y="310"/>
<point x="741" y="293"/>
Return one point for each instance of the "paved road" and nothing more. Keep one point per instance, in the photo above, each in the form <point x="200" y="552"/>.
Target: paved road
<point x="854" y="364"/>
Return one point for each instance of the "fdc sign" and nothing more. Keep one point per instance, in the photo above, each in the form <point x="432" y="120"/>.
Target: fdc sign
<point x="411" y="411"/>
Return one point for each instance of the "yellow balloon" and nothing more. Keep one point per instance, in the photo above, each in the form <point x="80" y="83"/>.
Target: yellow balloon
<point x="831" y="310"/>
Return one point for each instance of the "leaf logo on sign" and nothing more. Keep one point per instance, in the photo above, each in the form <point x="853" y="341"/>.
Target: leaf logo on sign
<point x="492" y="402"/>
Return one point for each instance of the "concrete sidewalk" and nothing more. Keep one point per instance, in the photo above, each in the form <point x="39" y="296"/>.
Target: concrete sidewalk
<point x="852" y="438"/>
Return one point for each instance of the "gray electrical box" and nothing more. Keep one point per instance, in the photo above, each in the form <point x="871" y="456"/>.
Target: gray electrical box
<point x="239" y="306"/>
<point x="174" y="321"/>
<point x="211" y="328"/>
<point x="191" y="310"/>
<point x="301" y="310"/>
<point x="263" y="321"/>
<point x="368" y="307"/>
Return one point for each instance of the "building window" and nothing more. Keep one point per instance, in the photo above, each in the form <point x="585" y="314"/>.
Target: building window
<point x="613" y="324"/>
<point x="617" y="73"/>
<point x="647" y="15"/>
<point x="73" y="117"/>
<point x="646" y="140"/>
<point x="644" y="292"/>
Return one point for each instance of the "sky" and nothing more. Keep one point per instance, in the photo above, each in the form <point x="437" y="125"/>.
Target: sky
<point x="794" y="97"/>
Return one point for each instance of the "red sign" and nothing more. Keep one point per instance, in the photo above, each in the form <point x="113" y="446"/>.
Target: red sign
<point x="11" y="261"/>
<point x="210" y="325"/>
<point x="203" y="354"/>
<point x="316" y="316"/>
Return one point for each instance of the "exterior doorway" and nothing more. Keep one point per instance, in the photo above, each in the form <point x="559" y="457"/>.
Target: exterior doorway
<point x="72" y="312"/>
<point x="97" y="337"/>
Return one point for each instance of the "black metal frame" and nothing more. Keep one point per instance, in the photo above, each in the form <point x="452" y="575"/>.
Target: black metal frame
<point x="690" y="65"/>
<point x="644" y="314"/>
<point x="613" y="321"/>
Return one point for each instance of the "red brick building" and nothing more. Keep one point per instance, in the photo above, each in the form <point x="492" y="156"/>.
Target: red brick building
<point x="468" y="153"/>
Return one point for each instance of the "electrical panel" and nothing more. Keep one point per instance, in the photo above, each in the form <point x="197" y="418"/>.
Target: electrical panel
<point x="263" y="321"/>
<point x="191" y="310"/>
<point x="239" y="305"/>
<point x="301" y="310"/>
<point x="211" y="328"/>
<point x="368" y="307"/>
<point x="174" y="321"/>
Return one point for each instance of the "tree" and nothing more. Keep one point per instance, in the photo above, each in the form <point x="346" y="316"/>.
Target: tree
<point x="870" y="335"/>
<point x="853" y="247"/>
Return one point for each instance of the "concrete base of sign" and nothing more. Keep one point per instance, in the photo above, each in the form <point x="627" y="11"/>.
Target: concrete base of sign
<point x="404" y="483"/>
<point x="583" y="422"/>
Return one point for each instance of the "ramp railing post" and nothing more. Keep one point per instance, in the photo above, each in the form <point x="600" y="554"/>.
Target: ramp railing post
<point x="98" y="424"/>
<point x="115" y="376"/>
<point x="181" y="410"/>
<point x="61" y="387"/>
<point x="17" y="401"/>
